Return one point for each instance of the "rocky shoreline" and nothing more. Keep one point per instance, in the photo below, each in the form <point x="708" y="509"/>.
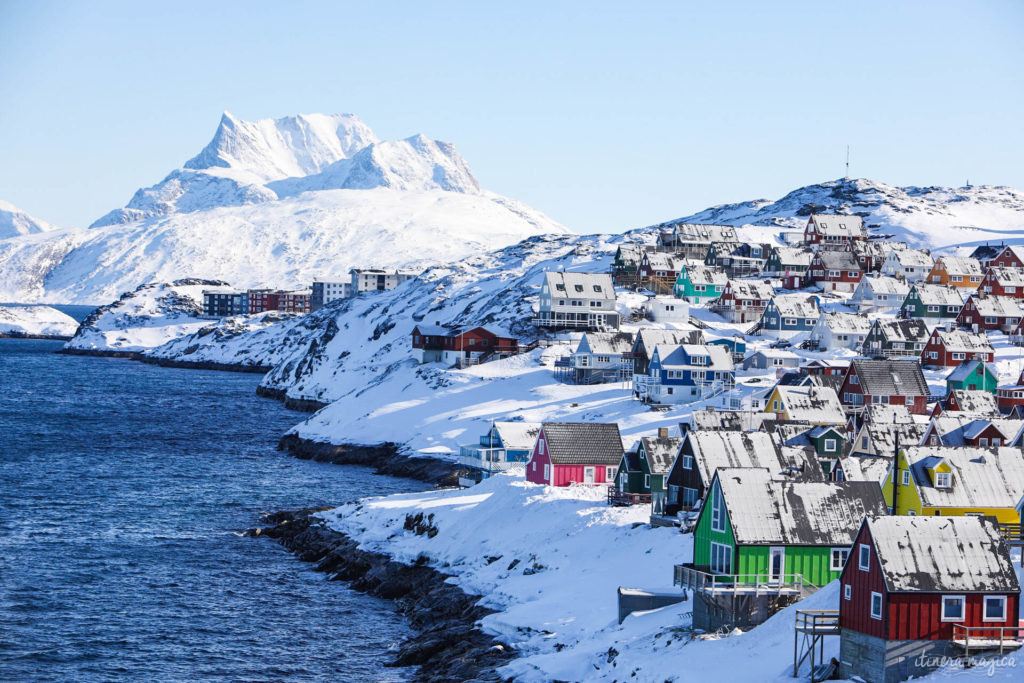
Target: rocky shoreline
<point x="302" y="405"/>
<point x="168" y="362"/>
<point x="384" y="459"/>
<point x="448" y="646"/>
<point x="46" y="337"/>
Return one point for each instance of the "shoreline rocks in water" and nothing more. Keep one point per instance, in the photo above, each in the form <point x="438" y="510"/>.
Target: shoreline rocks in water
<point x="45" y="337"/>
<point x="384" y="458"/>
<point x="448" y="645"/>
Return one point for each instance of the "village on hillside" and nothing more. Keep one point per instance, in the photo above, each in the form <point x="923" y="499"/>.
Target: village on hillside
<point x="857" y="415"/>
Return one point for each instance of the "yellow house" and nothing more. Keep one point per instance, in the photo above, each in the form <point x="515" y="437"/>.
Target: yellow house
<point x="812" y="404"/>
<point x="955" y="481"/>
<point x="959" y="271"/>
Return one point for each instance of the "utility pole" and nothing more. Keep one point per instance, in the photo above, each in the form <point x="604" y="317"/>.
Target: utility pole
<point x="895" y="469"/>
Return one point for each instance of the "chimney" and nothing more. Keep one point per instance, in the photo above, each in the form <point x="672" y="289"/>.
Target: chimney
<point x="662" y="432"/>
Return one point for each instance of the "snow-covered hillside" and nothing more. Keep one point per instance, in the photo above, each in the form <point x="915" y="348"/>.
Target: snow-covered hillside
<point x="14" y="222"/>
<point x="35" y="321"/>
<point x="277" y="203"/>
<point x="921" y="216"/>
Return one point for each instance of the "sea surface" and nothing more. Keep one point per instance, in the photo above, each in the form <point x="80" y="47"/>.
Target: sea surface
<point x="123" y="490"/>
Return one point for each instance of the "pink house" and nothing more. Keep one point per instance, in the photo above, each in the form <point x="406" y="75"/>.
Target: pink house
<point x="575" y="453"/>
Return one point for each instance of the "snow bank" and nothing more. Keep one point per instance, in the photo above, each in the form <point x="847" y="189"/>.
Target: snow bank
<point x="35" y="321"/>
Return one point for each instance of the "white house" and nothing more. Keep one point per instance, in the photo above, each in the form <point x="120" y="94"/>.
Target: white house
<point x="376" y="279"/>
<point x="841" y="330"/>
<point x="668" y="309"/>
<point x="911" y="264"/>
<point x="879" y="293"/>
<point x="577" y="300"/>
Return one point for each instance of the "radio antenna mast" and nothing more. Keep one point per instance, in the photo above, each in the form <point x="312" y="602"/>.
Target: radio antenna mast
<point x="847" y="162"/>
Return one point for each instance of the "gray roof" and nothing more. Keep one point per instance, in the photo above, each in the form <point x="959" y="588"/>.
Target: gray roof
<point x="700" y="274"/>
<point x="518" y="436"/>
<point x="975" y="402"/>
<point x="582" y="285"/>
<point x="902" y="330"/>
<point x="873" y="469"/>
<point x="728" y="420"/>
<point x="914" y="257"/>
<point x="981" y="477"/>
<point x="961" y="265"/>
<point x="838" y="260"/>
<point x="764" y="511"/>
<point x="791" y="307"/>
<point x="648" y="338"/>
<point x="939" y="295"/>
<point x="606" y="343"/>
<point x="751" y="289"/>
<point x="942" y="554"/>
<point x="883" y="436"/>
<point x="583" y="443"/>
<point x="890" y="377"/>
<point x="660" y="452"/>
<point x="839" y="224"/>
<point x="888" y="412"/>
<point x="816" y="404"/>
<point x="713" y="450"/>
<point x="995" y="306"/>
<point x="962" y="340"/>
<point x="703" y="232"/>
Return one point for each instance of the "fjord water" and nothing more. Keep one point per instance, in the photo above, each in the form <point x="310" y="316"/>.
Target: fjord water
<point x="123" y="487"/>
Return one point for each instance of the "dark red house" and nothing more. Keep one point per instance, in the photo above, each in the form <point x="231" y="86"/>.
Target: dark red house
<point x="893" y="382"/>
<point x="835" y="271"/>
<point x="261" y="300"/>
<point x="1000" y="281"/>
<point x="949" y="348"/>
<point x="1009" y="257"/>
<point x="909" y="581"/>
<point x="575" y="453"/>
<point x="989" y="313"/>
<point x="439" y="344"/>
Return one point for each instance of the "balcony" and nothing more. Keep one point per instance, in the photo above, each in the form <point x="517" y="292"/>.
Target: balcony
<point x="701" y="580"/>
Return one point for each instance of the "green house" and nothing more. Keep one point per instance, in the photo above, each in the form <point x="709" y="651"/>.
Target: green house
<point x="641" y="474"/>
<point x="698" y="283"/>
<point x="972" y="375"/>
<point x="755" y="528"/>
<point x="932" y="301"/>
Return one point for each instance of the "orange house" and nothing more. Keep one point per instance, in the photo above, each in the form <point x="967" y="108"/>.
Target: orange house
<point x="957" y="271"/>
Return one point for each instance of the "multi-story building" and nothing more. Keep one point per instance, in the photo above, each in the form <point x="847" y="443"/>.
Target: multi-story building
<point x="376" y="279"/>
<point x="224" y="302"/>
<point x="577" y="301"/>
<point x="324" y="292"/>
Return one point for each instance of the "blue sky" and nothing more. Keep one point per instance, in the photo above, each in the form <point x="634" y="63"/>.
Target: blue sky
<point x="605" y="117"/>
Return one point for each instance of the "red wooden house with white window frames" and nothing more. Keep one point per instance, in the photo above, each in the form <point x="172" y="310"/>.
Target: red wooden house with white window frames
<point x="568" y="453"/>
<point x="949" y="348"/>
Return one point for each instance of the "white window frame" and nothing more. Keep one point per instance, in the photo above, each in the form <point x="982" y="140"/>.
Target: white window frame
<point x="647" y="481"/>
<point x="905" y="477"/>
<point x="830" y="444"/>
<point x="547" y="472"/>
<point x="962" y="599"/>
<point x="609" y="473"/>
<point x="687" y="462"/>
<point x="847" y="591"/>
<point x="881" y="608"/>
<point x="943" y="480"/>
<point x="844" y="553"/>
<point x="984" y="608"/>
<point x="864" y="557"/>
<point x="717" y="511"/>
<point x="723" y="551"/>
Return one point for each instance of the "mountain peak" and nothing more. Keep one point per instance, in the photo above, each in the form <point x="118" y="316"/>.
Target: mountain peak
<point x="14" y="222"/>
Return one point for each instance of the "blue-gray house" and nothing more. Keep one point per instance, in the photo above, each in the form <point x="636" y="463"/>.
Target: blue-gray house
<point x="785" y="317"/>
<point x="685" y="373"/>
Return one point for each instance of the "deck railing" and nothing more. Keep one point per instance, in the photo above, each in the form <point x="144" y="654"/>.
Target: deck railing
<point x="1012" y="533"/>
<point x="698" y="580"/>
<point x="987" y="638"/>
<point x="622" y="498"/>
<point x="818" y="621"/>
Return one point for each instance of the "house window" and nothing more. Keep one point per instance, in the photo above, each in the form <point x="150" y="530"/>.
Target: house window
<point x="687" y="462"/>
<point x="717" y="511"/>
<point x="996" y="441"/>
<point x="721" y="558"/>
<point x="864" y="557"/>
<point x="953" y="607"/>
<point x="876" y="605"/>
<point x="547" y="472"/>
<point x="623" y="481"/>
<point x="647" y="481"/>
<point x="906" y="477"/>
<point x="983" y="441"/>
<point x="995" y="608"/>
<point x="533" y="466"/>
<point x="609" y="475"/>
<point x="942" y="480"/>
<point x="830" y="444"/>
<point x="854" y="379"/>
<point x="839" y="556"/>
<point x="933" y="309"/>
<point x="689" y="497"/>
<point x="863" y="442"/>
<point x="851" y="273"/>
<point x="775" y="405"/>
<point x="847" y="592"/>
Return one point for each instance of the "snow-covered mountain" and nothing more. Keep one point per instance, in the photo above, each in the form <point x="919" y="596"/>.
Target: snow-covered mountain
<point x="932" y="217"/>
<point x="14" y="222"/>
<point x="35" y="321"/>
<point x="277" y="203"/>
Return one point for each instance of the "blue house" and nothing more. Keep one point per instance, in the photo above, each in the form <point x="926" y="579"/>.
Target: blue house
<point x="686" y="373"/>
<point x="506" y="446"/>
<point x="785" y="317"/>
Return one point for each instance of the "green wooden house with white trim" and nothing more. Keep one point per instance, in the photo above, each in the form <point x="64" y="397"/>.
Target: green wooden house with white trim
<point x="932" y="301"/>
<point x="760" y="542"/>
<point x="698" y="283"/>
<point x="973" y="375"/>
<point x="641" y="475"/>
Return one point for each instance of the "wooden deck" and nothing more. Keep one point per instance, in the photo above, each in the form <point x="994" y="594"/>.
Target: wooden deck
<point x="979" y="639"/>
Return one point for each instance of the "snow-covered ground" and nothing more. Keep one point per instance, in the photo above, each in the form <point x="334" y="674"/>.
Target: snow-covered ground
<point x="35" y="321"/>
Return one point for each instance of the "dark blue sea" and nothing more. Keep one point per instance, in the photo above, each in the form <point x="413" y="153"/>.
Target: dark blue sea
<point x="123" y="488"/>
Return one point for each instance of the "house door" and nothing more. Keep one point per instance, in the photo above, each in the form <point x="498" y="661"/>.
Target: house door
<point x="776" y="564"/>
<point x="588" y="475"/>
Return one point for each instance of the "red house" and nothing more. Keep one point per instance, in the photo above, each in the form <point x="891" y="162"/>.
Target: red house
<point x="1009" y="257"/>
<point x="913" y="585"/>
<point x="744" y="301"/>
<point x="261" y="300"/>
<point x="1000" y="281"/>
<point x="835" y="271"/>
<point x="893" y="382"/>
<point x="1010" y="398"/>
<point x="437" y="344"/>
<point x="824" y="228"/>
<point x="989" y="313"/>
<point x="948" y="348"/>
<point x="575" y="453"/>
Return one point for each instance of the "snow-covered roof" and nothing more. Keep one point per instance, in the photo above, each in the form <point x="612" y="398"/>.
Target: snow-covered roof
<point x="606" y="343"/>
<point x="846" y="323"/>
<point x="967" y="368"/>
<point x="838" y="225"/>
<point x="817" y="405"/>
<point x="763" y="510"/>
<point x="975" y="402"/>
<point x="705" y="275"/>
<point x="659" y="260"/>
<point x="583" y="443"/>
<point x="838" y="260"/>
<point x="882" y="284"/>
<point x="661" y="452"/>
<point x="715" y="449"/>
<point x="701" y="232"/>
<point x="883" y="436"/>
<point x="431" y="330"/>
<point x="517" y="435"/>
<point x="962" y="340"/>
<point x="961" y="265"/>
<point x="672" y="356"/>
<point x="995" y="306"/>
<point x="731" y="420"/>
<point x="981" y="477"/>
<point x="902" y="330"/>
<point x="909" y="258"/>
<point x="1013" y="277"/>
<point x="775" y="353"/>
<point x="939" y="295"/>
<point x="790" y="307"/>
<point x="583" y="285"/>
<point x="751" y="289"/>
<point x="794" y="256"/>
<point x="942" y="554"/>
<point x="865" y="468"/>
<point x="648" y="338"/>
<point x="891" y="377"/>
<point x="888" y="413"/>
